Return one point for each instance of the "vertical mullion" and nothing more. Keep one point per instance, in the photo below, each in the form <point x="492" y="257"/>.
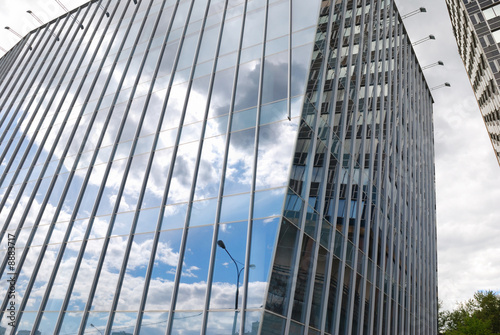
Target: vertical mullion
<point x="108" y="167"/>
<point x="129" y="162"/>
<point x="289" y="68"/>
<point x="383" y="176"/>
<point x="224" y="162"/>
<point x="48" y="235"/>
<point x="82" y="145"/>
<point x="150" y="162"/>
<point x="361" y="153"/>
<point x="399" y="163"/>
<point x="14" y="57"/>
<point x="17" y="81"/>
<point x="24" y="135"/>
<point x="11" y="185"/>
<point x="326" y="169"/>
<point x="343" y="174"/>
<point x="406" y="201"/>
<point x="254" y="163"/>
<point x="310" y="163"/>
<point x="16" y="201"/>
<point x="198" y="160"/>
<point x="36" y="130"/>
<point x="332" y="134"/>
<point x="374" y="183"/>
<point x="50" y="188"/>
<point x="390" y="224"/>
<point x="20" y="121"/>
<point x="23" y="256"/>
<point x="368" y="168"/>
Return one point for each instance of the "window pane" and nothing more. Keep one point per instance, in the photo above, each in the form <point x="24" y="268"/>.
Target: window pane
<point x="161" y="283"/>
<point x="154" y="323"/>
<point x="193" y="279"/>
<point x="228" y="274"/>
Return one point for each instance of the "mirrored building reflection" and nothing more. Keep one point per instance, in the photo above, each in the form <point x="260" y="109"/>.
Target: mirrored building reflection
<point x="218" y="167"/>
<point x="477" y="31"/>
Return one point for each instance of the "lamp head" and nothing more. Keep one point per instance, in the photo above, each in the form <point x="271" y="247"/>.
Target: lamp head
<point x="221" y="244"/>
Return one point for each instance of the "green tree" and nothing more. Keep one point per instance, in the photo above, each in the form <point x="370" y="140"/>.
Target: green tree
<point x="477" y="316"/>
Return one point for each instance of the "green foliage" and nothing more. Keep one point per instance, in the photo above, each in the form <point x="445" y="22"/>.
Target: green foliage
<point x="477" y="316"/>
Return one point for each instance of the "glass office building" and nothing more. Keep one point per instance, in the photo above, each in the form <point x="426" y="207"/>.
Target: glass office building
<point x="476" y="25"/>
<point x="217" y="167"/>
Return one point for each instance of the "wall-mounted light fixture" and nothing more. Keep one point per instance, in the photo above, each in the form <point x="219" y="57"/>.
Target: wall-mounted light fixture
<point x="438" y="63"/>
<point x="430" y="37"/>
<point x="417" y="11"/>
<point x="441" y="86"/>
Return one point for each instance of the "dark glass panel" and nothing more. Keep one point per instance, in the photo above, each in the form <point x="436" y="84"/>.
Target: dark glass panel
<point x="304" y="276"/>
<point x="273" y="324"/>
<point x="331" y="314"/>
<point x="280" y="284"/>
<point x="319" y="296"/>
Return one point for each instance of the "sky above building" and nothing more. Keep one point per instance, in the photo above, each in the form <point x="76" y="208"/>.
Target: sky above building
<point x="467" y="173"/>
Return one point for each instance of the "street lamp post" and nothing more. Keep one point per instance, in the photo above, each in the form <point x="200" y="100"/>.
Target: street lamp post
<point x="100" y="332"/>
<point x="221" y="244"/>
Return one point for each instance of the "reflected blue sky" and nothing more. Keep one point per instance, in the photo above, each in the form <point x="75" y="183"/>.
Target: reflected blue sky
<point x="115" y="198"/>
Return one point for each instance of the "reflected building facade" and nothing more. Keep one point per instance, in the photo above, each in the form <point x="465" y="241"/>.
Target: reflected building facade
<point x="218" y="167"/>
<point x="476" y="26"/>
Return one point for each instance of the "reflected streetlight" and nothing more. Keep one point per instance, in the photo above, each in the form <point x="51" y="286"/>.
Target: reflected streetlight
<point x="100" y="332"/>
<point x="441" y="86"/>
<point x="221" y="244"/>
<point x="432" y="65"/>
<point x="416" y="11"/>
<point x="430" y="37"/>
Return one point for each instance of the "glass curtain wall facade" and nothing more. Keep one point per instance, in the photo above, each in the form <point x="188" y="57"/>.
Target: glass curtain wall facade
<point x="476" y="25"/>
<point x="217" y="167"/>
